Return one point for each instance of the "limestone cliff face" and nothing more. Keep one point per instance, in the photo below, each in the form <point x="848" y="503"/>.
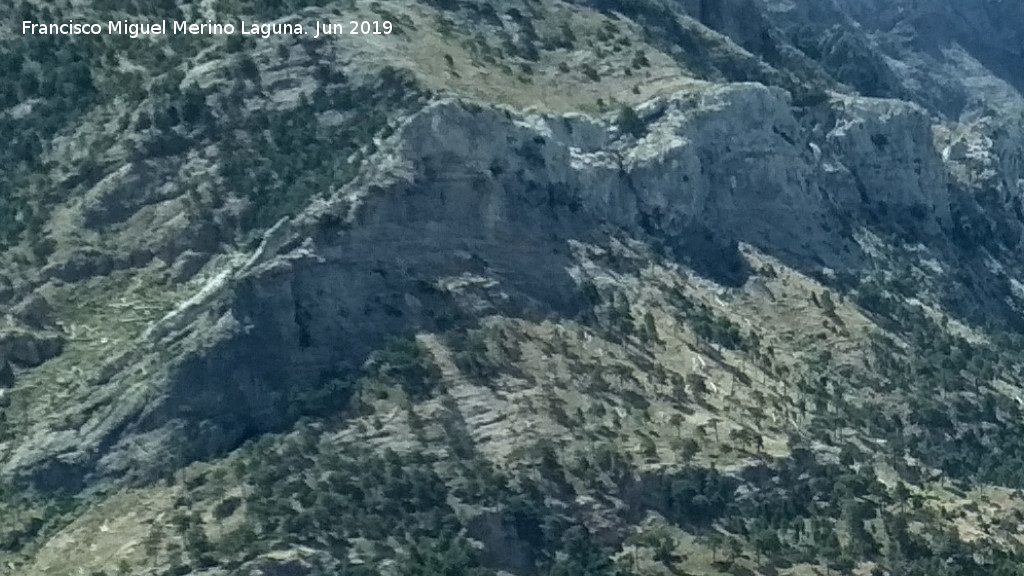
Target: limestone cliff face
<point x="732" y="159"/>
<point x="470" y="198"/>
<point x="887" y="148"/>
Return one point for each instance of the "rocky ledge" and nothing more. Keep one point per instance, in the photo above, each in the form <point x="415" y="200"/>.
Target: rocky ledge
<point x="466" y="190"/>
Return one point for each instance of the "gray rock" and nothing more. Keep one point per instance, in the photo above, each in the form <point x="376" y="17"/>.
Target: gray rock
<point x="292" y="562"/>
<point x="35" y="311"/>
<point x="505" y="550"/>
<point x="139" y="257"/>
<point x="7" y="378"/>
<point x="87" y="263"/>
<point x="6" y="289"/>
<point x="30" y="349"/>
<point x="123" y="192"/>
<point x="953" y="58"/>
<point x="188" y="264"/>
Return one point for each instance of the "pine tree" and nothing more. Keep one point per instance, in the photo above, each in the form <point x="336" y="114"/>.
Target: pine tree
<point x="628" y="122"/>
<point x="827" y="304"/>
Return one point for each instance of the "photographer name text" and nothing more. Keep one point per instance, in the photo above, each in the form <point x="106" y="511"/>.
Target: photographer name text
<point x="207" y="28"/>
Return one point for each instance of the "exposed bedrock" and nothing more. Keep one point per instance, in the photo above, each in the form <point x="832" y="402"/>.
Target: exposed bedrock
<point x="492" y="197"/>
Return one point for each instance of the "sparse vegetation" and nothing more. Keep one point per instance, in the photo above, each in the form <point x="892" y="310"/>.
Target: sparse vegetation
<point x="628" y="122"/>
<point x="678" y="413"/>
<point x="284" y="158"/>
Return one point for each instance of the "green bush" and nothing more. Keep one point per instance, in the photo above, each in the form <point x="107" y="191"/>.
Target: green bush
<point x="628" y="122"/>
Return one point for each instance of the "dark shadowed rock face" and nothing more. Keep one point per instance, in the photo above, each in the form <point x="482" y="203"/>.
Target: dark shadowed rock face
<point x="30" y="349"/>
<point x="990" y="32"/>
<point x="35" y="312"/>
<point x="741" y="20"/>
<point x="7" y="378"/>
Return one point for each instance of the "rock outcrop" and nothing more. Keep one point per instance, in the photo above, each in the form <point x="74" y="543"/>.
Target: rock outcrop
<point x="464" y="188"/>
<point x="293" y="562"/>
<point x="7" y="378"/>
<point x="34" y="312"/>
<point x="29" y="348"/>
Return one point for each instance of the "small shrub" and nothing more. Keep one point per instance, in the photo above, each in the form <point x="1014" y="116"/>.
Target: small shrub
<point x="590" y="72"/>
<point x="628" y="122"/>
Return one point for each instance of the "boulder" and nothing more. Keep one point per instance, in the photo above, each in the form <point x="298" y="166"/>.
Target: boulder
<point x="82" y="265"/>
<point x="35" y="311"/>
<point x="6" y="374"/>
<point x="188" y="264"/>
<point x="30" y="349"/>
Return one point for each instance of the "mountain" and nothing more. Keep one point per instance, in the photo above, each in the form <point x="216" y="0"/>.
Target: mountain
<point x="533" y="287"/>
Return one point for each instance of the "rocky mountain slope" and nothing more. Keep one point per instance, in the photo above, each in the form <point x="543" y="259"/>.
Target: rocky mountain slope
<point x="533" y="287"/>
